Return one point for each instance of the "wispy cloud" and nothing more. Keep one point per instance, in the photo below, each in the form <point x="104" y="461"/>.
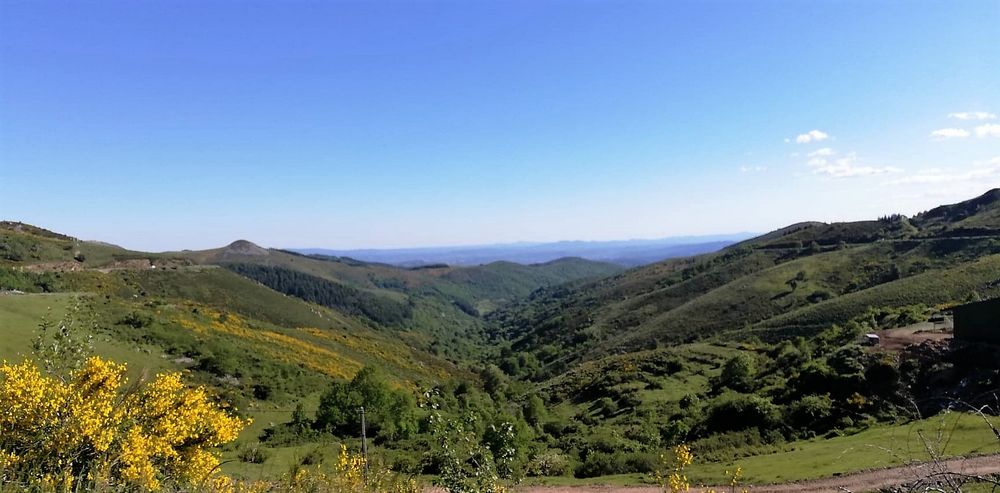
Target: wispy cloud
<point x="825" y="151"/>
<point x="988" y="130"/>
<point x="982" y="170"/>
<point x="811" y="136"/>
<point x="848" y="166"/>
<point x="950" y="133"/>
<point x="973" y="115"/>
<point x="753" y="169"/>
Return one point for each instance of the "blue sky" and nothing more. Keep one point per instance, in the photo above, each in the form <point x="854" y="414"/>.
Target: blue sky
<point x="187" y="124"/>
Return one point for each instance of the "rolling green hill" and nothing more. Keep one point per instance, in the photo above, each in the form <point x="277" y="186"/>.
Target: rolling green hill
<point x="490" y="284"/>
<point x="381" y="309"/>
<point x="437" y="307"/>
<point x="796" y="280"/>
<point x="742" y="352"/>
<point x="267" y="329"/>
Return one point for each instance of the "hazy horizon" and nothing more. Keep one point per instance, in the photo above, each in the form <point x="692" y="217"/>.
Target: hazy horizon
<point x="131" y="242"/>
<point x="680" y="239"/>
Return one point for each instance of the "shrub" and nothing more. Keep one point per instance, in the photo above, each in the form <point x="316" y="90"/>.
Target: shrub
<point x="351" y="474"/>
<point x="812" y="412"/>
<point x="597" y="464"/>
<point x="87" y="429"/>
<point x="819" y="296"/>
<point x="549" y="463"/>
<point x="136" y="320"/>
<point x="739" y="373"/>
<point x="676" y="431"/>
<point x="313" y="457"/>
<point x="734" y="411"/>
<point x="252" y="454"/>
<point x="606" y="407"/>
<point x="607" y="463"/>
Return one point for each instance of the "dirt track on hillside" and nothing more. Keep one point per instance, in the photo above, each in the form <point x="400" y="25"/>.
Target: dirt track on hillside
<point x="899" y="339"/>
<point x="865" y="481"/>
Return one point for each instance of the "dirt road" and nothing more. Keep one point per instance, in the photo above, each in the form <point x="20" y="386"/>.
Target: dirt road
<point x="865" y="481"/>
<point x="898" y="339"/>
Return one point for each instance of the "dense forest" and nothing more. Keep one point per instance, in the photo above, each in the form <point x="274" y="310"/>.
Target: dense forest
<point x="378" y="309"/>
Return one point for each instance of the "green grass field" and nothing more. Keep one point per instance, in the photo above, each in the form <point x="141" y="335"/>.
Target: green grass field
<point x="949" y="435"/>
<point x="20" y="316"/>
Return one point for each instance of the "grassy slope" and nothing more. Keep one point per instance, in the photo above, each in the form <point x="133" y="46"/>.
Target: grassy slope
<point x="165" y="294"/>
<point x="798" y="279"/>
<point x="20" y="316"/>
<point x="268" y="321"/>
<point x="769" y="300"/>
<point x="18" y="244"/>
<point x="931" y="288"/>
<point x="952" y="434"/>
<point x="437" y="296"/>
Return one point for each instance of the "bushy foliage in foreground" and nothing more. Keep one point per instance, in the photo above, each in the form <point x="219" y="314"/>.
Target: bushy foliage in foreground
<point x="86" y="430"/>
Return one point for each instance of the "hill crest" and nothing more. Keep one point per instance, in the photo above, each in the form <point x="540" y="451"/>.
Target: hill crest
<point x="244" y="247"/>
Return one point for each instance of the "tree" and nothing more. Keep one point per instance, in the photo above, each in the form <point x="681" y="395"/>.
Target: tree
<point x="389" y="413"/>
<point x="738" y="373"/>
<point x="534" y="410"/>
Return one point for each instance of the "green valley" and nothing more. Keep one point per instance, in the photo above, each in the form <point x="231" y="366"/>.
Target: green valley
<point x="579" y="369"/>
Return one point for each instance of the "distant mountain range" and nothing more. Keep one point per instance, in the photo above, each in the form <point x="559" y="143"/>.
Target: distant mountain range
<point x="627" y="252"/>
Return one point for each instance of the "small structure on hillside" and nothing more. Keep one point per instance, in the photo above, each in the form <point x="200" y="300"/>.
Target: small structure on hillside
<point x="872" y="340"/>
<point x="978" y="322"/>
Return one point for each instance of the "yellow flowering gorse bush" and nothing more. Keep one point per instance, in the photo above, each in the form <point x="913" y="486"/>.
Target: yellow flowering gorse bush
<point x="672" y="478"/>
<point x="90" y="429"/>
<point x="351" y="475"/>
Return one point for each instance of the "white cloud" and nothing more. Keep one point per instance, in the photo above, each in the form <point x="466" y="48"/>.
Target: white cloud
<point x="973" y="115"/>
<point x="988" y="130"/>
<point x="753" y="169"/>
<point x="950" y="133"/>
<point x="846" y="167"/>
<point x="981" y="171"/>
<point x="992" y="163"/>
<point x="825" y="151"/>
<point x="811" y="136"/>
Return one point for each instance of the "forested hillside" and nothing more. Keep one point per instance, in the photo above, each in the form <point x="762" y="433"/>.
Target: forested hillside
<point x="794" y="281"/>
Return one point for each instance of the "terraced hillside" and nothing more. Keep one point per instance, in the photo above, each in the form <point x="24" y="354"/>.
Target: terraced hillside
<point x="794" y="281"/>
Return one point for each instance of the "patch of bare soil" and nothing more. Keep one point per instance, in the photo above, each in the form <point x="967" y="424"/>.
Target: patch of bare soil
<point x="63" y="266"/>
<point x="898" y="339"/>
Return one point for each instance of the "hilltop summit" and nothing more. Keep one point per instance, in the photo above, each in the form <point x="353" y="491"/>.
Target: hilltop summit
<point x="244" y="248"/>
